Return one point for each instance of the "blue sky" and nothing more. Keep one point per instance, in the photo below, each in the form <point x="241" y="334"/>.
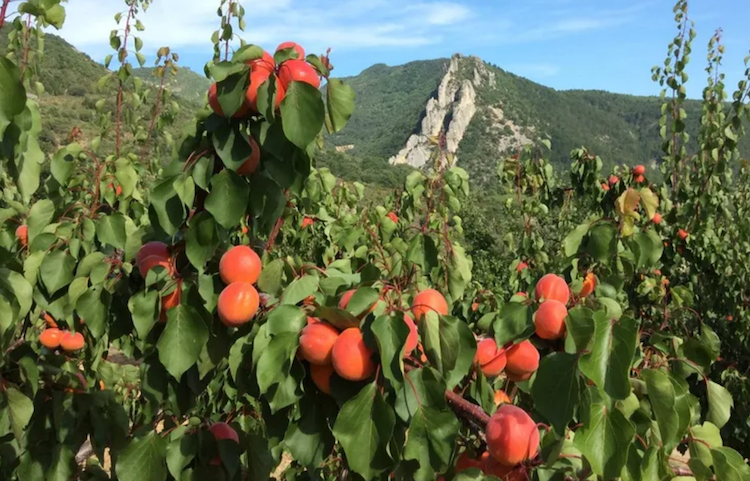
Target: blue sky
<point x="565" y="44"/>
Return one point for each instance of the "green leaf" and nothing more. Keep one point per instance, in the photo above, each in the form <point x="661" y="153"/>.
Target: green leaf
<point x="573" y="240"/>
<point x="110" y="230"/>
<point x="608" y="363"/>
<point x="362" y="301"/>
<point x="247" y="53"/>
<point x="20" y="410"/>
<point x="300" y="289"/>
<point x="231" y="91"/>
<point x="661" y="393"/>
<point x="459" y="272"/>
<point x="285" y="319"/>
<point x="340" y="99"/>
<point x="55" y="16"/>
<point x="449" y="345"/>
<point x="558" y="373"/>
<point x="16" y="284"/>
<point x="704" y="438"/>
<point x="302" y="113"/>
<point x="168" y="206"/>
<point x="40" y="216"/>
<point x="602" y="242"/>
<point x="364" y="428"/>
<point x="580" y="327"/>
<point x="228" y="199"/>
<point x="270" y="277"/>
<point x="93" y="307"/>
<point x="143" y="459"/>
<point x="12" y="93"/>
<point x="232" y="146"/>
<point x="181" y="342"/>
<point x="63" y="462"/>
<point x="650" y="202"/>
<point x="390" y="334"/>
<point x="144" y="308"/>
<point x="57" y="270"/>
<point x="202" y="240"/>
<point x="180" y="452"/>
<point x="729" y="465"/>
<point x="309" y="438"/>
<point x="432" y="437"/>
<point x="720" y="404"/>
<point x="604" y="440"/>
<point x="514" y="322"/>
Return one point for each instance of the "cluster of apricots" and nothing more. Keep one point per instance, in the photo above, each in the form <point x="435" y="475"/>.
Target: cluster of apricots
<point x="639" y="172"/>
<point x="329" y="351"/>
<point x="157" y="254"/>
<point x="239" y="301"/>
<point x="53" y="337"/>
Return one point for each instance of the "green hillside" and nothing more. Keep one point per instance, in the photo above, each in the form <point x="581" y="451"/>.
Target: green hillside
<point x="187" y="84"/>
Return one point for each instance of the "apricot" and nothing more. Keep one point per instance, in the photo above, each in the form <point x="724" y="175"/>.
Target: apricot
<point x="240" y="264"/>
<point x="238" y="303"/>
<point x="154" y="261"/>
<point x="613" y="179"/>
<point x="307" y="222"/>
<point x="257" y="79"/>
<point x="489" y="358"/>
<point x="316" y="342"/>
<point x="49" y="320"/>
<point x="72" y="341"/>
<point x="589" y="284"/>
<point x="312" y="320"/>
<point x="150" y="249"/>
<point x="22" y="234"/>
<point x="501" y="398"/>
<point x="297" y="48"/>
<point x="265" y="64"/>
<point x="465" y="461"/>
<point x="639" y="170"/>
<point x="490" y="466"/>
<point x="522" y="359"/>
<point x="683" y="234"/>
<point x="170" y="301"/>
<point x="50" y="338"/>
<point x="298" y="71"/>
<point x="521" y="266"/>
<point x="519" y="377"/>
<point x="347" y="296"/>
<point x="512" y="436"/>
<point x="252" y="162"/>
<point x="352" y="359"/>
<point x="321" y="377"/>
<point x="222" y="431"/>
<point x="413" y="338"/>
<point x="552" y="286"/>
<point x="550" y="320"/>
<point x="605" y="187"/>
<point x="656" y="219"/>
<point x="638" y="179"/>
<point x="213" y="102"/>
<point x="429" y="300"/>
<point x="393" y="217"/>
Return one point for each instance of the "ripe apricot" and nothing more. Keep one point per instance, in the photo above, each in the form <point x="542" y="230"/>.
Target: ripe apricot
<point x="613" y="180"/>
<point x="519" y="377"/>
<point x="465" y="461"/>
<point x="639" y="170"/>
<point x="72" y="341"/>
<point x="605" y="187"/>
<point x="352" y="359"/>
<point x="639" y="179"/>
<point x="393" y="217"/>
<point x="589" y="284"/>
<point x="150" y="249"/>
<point x="316" y="342"/>
<point x="22" y="234"/>
<point x="170" y="301"/>
<point x="312" y="320"/>
<point x="50" y="338"/>
<point x="49" y="320"/>
<point x="240" y="264"/>
<point x="549" y="320"/>
<point x="683" y="234"/>
<point x="238" y="303"/>
<point x="222" y="431"/>
<point x="297" y="48"/>
<point x="321" y="376"/>
<point x="512" y="436"/>
<point x="501" y="397"/>
<point x="522" y="359"/>
<point x="413" y="339"/>
<point x="489" y="358"/>
<point x="213" y="102"/>
<point x="266" y="63"/>
<point x="552" y="286"/>
<point x="521" y="266"/>
<point x="429" y="300"/>
<point x="257" y="79"/>
<point x="154" y="261"/>
<point x="251" y="164"/>
<point x="490" y="466"/>
<point x="299" y="71"/>
<point x="656" y="219"/>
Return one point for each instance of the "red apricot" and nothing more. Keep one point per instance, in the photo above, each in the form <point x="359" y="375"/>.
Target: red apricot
<point x="256" y="80"/>
<point x="613" y="179"/>
<point x="522" y="359"/>
<point x="393" y="217"/>
<point x="605" y="187"/>
<point x="656" y="219"/>
<point x="316" y="342"/>
<point x="512" y="436"/>
<point x="429" y="300"/>
<point x="521" y="266"/>
<point x="297" y="48"/>
<point x="240" y="264"/>
<point x="683" y="234"/>
<point x="265" y="64"/>
<point x="299" y="71"/>
<point x="155" y="248"/>
<point x="307" y="222"/>
<point x="252" y="162"/>
<point x="238" y="303"/>
<point x="639" y="170"/>
<point x="552" y="286"/>
<point x="22" y="234"/>
<point x="352" y="359"/>
<point x="321" y="376"/>
<point x="550" y="320"/>
<point x="489" y="358"/>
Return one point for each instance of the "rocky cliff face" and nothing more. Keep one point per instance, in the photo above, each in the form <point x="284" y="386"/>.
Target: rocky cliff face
<point x="452" y="110"/>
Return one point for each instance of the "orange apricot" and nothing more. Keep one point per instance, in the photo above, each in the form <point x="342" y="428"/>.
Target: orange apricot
<point x="413" y="339"/>
<point x="240" y="264"/>
<point x="297" y="48"/>
<point x="501" y="398"/>
<point x="321" y="377"/>
<point x="266" y="64"/>
<point x="512" y="436"/>
<point x="49" y="320"/>
<point x="72" y="341"/>
<point x="252" y="162"/>
<point x="170" y="301"/>
<point x="154" y="261"/>
<point x="522" y="359"/>
<point x="657" y="218"/>
<point x="682" y="234"/>
<point x="316" y="342"/>
<point x="639" y="170"/>
<point x="552" y="286"/>
<point x="238" y="303"/>
<point x="489" y="358"/>
<point x="352" y="359"/>
<point x="22" y="234"/>
<point x="429" y="300"/>
<point x="50" y="338"/>
<point x="589" y="284"/>
<point x="549" y="320"/>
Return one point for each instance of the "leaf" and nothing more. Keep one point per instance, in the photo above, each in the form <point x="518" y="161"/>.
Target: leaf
<point x="93" y="307"/>
<point x="300" y="289"/>
<point x="57" y="270"/>
<point x="169" y="209"/>
<point x="650" y="202"/>
<point x="459" y="272"/>
<point x="12" y="93"/>
<point x="608" y="363"/>
<point x="276" y="359"/>
<point x="391" y="333"/>
<point x="143" y="459"/>
<point x="364" y="428"/>
<point x="703" y="439"/>
<point x="202" y="240"/>
<point x="231" y="91"/>
<point x="14" y="283"/>
<point x="580" y="327"/>
<point x="144" y="308"/>
<point x="449" y="345"/>
<point x="228" y="199"/>
<point x="181" y="342"/>
<point x="362" y="301"/>
<point x="55" y="16"/>
<point x="110" y="229"/>
<point x="232" y="146"/>
<point x="602" y="242"/>
<point x="514" y="322"/>
<point x="40" y="216"/>
<point x="340" y="99"/>
<point x="661" y="393"/>
<point x="432" y="437"/>
<point x="63" y="461"/>
<point x="729" y="465"/>
<point x="604" y="440"/>
<point x="20" y="410"/>
<point x="180" y="452"/>
<point x="270" y="277"/>
<point x="309" y="439"/>
<point x="720" y="404"/>
<point x="286" y="319"/>
<point x="302" y="113"/>
<point x="573" y="240"/>
<point x="558" y="373"/>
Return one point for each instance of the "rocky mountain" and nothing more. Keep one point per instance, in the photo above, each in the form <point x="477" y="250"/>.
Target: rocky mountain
<point x="485" y="111"/>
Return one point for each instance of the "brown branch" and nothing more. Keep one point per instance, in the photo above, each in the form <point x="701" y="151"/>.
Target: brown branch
<point x="3" y="11"/>
<point x="157" y="111"/>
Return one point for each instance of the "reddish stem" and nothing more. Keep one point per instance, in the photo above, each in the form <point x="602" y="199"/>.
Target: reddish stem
<point x="26" y="45"/>
<point x="3" y="11"/>
<point x="157" y="111"/>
